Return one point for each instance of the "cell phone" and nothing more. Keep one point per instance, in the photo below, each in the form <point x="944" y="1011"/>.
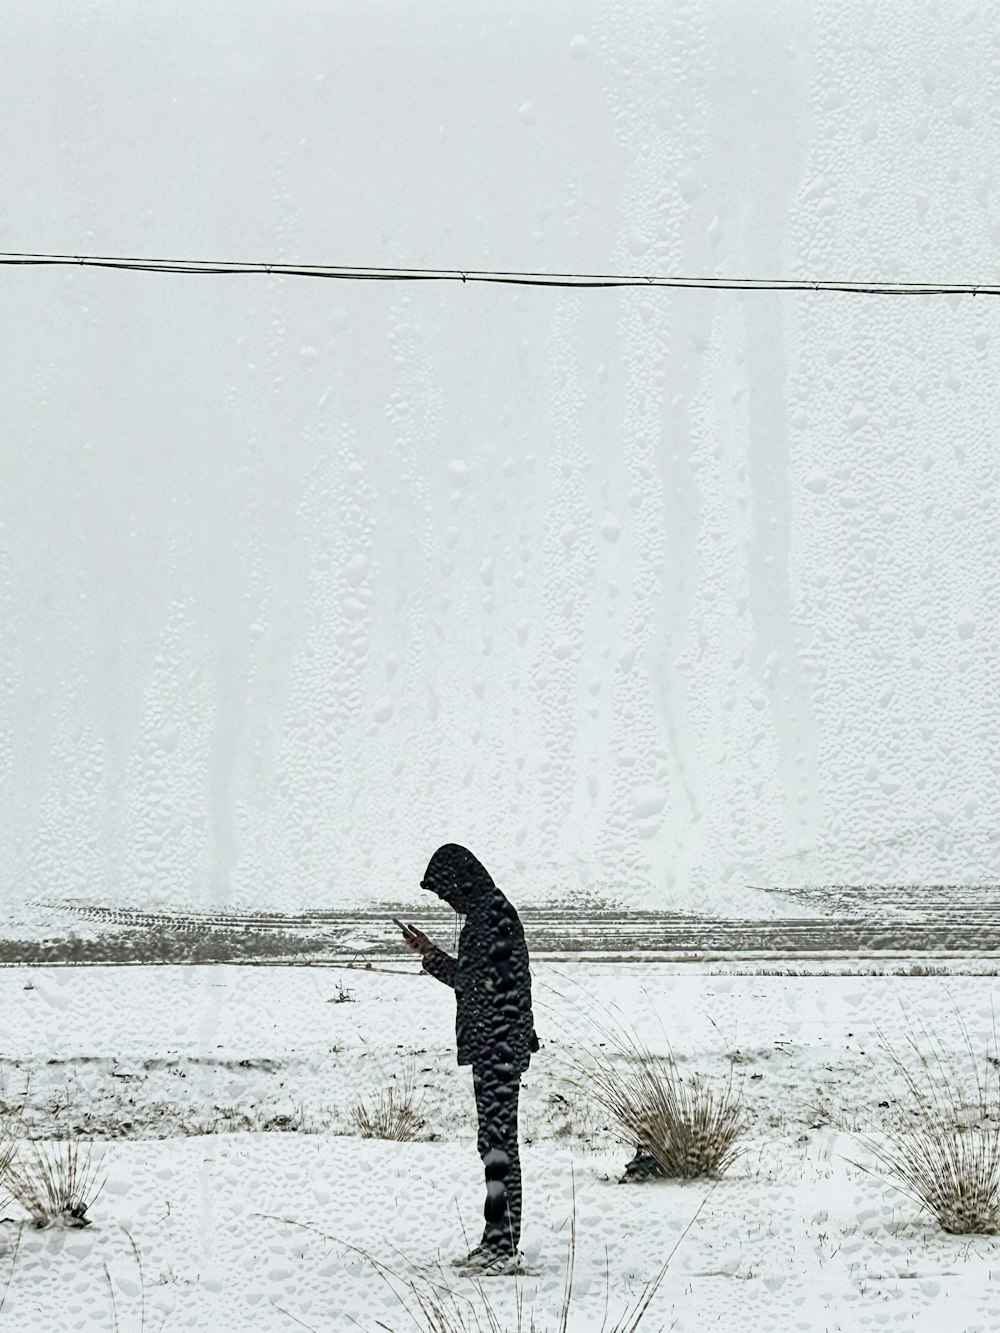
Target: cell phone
<point x="407" y="930"/>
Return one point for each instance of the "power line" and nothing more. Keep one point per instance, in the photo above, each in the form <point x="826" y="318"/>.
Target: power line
<point x="356" y="273"/>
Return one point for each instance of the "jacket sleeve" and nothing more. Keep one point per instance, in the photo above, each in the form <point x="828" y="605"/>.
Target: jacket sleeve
<point x="440" y="965"/>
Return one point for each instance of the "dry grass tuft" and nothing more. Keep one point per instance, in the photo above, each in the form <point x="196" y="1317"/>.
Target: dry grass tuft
<point x="8" y="1146"/>
<point x="11" y="1118"/>
<point x="943" y="1150"/>
<point x="115" y="1324"/>
<point x="56" y="1183"/>
<point x="687" y="1127"/>
<point x="394" y="1115"/>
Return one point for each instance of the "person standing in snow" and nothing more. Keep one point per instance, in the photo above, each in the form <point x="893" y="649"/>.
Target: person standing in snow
<point x="494" y="1030"/>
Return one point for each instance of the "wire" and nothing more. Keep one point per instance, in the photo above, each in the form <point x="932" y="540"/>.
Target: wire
<point x="354" y="273"/>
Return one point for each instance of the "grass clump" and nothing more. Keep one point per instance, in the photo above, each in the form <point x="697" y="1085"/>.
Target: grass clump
<point x="943" y="1149"/>
<point x="686" y="1126"/>
<point x="689" y="1128"/>
<point x="55" y="1183"/>
<point x="394" y="1114"/>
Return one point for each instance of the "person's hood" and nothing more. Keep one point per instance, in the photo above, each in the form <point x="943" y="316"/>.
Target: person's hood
<point x="457" y="878"/>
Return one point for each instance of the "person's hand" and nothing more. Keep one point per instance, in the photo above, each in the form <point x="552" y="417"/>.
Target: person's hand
<point x="417" y="940"/>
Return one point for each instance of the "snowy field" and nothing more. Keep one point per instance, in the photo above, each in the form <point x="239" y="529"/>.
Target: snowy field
<point x="221" y="1101"/>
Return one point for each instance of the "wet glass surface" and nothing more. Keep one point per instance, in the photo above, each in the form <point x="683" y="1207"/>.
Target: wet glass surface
<point x="677" y="608"/>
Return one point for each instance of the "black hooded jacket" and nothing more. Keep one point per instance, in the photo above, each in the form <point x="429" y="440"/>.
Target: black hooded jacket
<point x="493" y="1020"/>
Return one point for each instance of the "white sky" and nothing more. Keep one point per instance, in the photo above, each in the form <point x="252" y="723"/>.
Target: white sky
<point x="651" y="594"/>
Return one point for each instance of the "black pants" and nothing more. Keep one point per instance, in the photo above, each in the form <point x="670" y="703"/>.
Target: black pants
<point x="497" y="1088"/>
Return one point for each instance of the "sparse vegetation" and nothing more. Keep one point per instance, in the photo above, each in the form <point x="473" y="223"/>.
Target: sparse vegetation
<point x="55" y="1183"/>
<point x="943" y="1149"/>
<point x="116" y="1325"/>
<point x="232" y="1119"/>
<point x="395" y="1114"/>
<point x="853" y="970"/>
<point x="818" y="945"/>
<point x="181" y="944"/>
<point x="433" y="1305"/>
<point x="7" y="1147"/>
<point x="688" y="1127"/>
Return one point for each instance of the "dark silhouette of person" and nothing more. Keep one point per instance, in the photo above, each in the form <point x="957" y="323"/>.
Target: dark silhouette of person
<point x="494" y="1029"/>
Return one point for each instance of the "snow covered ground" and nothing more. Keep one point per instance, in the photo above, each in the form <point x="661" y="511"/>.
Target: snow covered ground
<point x="177" y="1074"/>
